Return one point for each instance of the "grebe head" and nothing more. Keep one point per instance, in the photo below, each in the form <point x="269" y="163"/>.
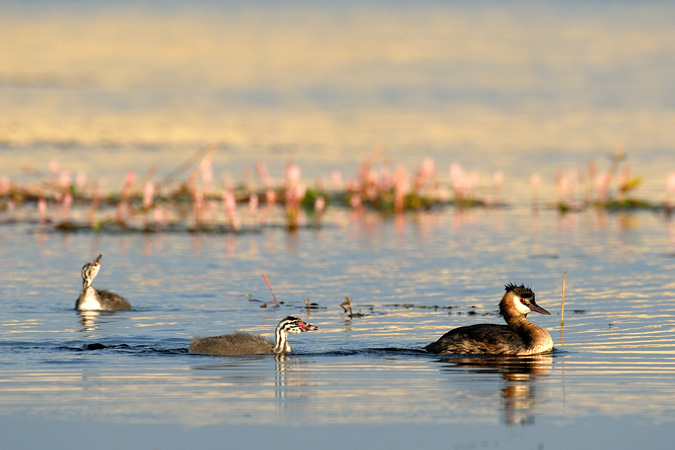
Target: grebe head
<point x="520" y="299"/>
<point x="294" y="325"/>
<point x="289" y="325"/>
<point x="90" y="270"/>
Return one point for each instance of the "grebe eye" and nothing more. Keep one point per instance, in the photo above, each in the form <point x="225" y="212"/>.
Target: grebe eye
<point x="522" y="301"/>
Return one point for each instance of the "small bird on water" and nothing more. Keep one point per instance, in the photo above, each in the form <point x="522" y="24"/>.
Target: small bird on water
<point x="92" y="299"/>
<point x="517" y="337"/>
<point x="242" y="343"/>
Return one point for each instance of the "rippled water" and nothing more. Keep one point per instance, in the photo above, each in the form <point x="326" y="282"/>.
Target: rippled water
<point x="613" y="367"/>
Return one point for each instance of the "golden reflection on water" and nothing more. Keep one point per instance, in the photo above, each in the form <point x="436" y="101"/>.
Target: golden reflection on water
<point x="518" y="392"/>
<point x="616" y="359"/>
<point x="341" y="389"/>
<point x="373" y="387"/>
<point x="189" y="77"/>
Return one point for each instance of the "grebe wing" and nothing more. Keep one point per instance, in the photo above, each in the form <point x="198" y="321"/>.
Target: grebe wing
<point x="480" y="338"/>
<point x="239" y="343"/>
<point x="112" y="302"/>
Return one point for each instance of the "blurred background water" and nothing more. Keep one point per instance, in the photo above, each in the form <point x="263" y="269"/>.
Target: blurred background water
<point x="523" y="88"/>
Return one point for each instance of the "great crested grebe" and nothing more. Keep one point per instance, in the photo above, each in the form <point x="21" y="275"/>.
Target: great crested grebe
<point x="92" y="299"/>
<point x="518" y="337"/>
<point x="242" y="343"/>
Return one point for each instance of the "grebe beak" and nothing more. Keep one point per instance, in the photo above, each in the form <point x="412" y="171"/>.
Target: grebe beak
<point x="536" y="308"/>
<point x="304" y="326"/>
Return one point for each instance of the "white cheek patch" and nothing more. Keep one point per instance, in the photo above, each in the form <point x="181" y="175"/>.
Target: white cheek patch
<point x="519" y="306"/>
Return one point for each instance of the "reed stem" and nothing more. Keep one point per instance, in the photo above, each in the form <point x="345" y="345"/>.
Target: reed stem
<point x="270" y="286"/>
<point x="562" y="307"/>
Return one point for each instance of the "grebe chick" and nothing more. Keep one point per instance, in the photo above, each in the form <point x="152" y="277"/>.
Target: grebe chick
<point x="518" y="337"/>
<point x="92" y="299"/>
<point x="242" y="343"/>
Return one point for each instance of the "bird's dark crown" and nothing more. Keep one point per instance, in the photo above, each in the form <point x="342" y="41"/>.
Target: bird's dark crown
<point x="521" y="291"/>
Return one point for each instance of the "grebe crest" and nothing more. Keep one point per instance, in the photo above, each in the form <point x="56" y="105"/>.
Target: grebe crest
<point x="242" y="343"/>
<point x="521" y="299"/>
<point x="92" y="299"/>
<point x="518" y="337"/>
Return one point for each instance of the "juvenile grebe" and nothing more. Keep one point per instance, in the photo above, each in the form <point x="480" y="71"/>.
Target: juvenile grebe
<point x="518" y="337"/>
<point x="92" y="299"/>
<point x="242" y="343"/>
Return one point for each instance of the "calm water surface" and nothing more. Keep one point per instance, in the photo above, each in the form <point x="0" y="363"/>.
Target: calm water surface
<point x="611" y="374"/>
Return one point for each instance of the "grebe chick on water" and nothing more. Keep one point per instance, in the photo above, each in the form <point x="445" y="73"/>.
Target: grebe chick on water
<point x="242" y="343"/>
<point x="518" y="337"/>
<point x="92" y="299"/>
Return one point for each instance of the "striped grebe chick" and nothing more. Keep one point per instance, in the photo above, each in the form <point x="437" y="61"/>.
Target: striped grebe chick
<point x="518" y="337"/>
<point x="242" y="343"/>
<point x="92" y="299"/>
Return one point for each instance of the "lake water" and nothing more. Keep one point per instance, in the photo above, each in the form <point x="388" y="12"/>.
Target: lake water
<point x="362" y="380"/>
<point x="524" y="89"/>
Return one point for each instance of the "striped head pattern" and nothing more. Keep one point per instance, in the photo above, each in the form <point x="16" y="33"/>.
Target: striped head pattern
<point x="289" y="325"/>
<point x="90" y="270"/>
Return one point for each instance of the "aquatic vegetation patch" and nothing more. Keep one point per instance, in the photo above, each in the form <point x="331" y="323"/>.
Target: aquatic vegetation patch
<point x="188" y="200"/>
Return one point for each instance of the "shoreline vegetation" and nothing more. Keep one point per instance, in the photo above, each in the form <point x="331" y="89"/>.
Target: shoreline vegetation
<point x="189" y="199"/>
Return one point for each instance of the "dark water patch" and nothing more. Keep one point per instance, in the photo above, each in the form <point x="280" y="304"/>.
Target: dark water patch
<point x="124" y="348"/>
<point x="366" y="352"/>
<point x="414" y="306"/>
<point x="546" y="256"/>
<point x="370" y="352"/>
<point x="115" y="228"/>
<point x="197" y="295"/>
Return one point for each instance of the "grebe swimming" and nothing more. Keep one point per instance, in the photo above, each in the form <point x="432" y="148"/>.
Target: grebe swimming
<point x="92" y="299"/>
<point x="242" y="343"/>
<point x="518" y="337"/>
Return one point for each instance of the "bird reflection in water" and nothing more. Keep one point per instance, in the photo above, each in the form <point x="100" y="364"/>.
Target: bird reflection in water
<point x="88" y="320"/>
<point x="91" y="320"/>
<point x="519" y="375"/>
<point x="290" y="382"/>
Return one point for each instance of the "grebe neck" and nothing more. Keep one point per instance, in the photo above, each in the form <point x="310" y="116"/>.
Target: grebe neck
<point x="281" y="344"/>
<point x="535" y="338"/>
<point x="89" y="299"/>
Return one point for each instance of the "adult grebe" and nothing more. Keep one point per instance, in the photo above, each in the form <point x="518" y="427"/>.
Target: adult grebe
<point x="519" y="337"/>
<point x="92" y="299"/>
<point x="242" y="343"/>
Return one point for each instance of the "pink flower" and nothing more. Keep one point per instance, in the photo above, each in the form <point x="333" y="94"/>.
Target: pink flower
<point x="65" y="180"/>
<point x="292" y="173"/>
<point x="148" y="194"/>
<point x="336" y="177"/>
<point x="253" y="204"/>
<point x="319" y="205"/>
<point x="42" y="209"/>
<point x="4" y="185"/>
<point x="671" y="184"/>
